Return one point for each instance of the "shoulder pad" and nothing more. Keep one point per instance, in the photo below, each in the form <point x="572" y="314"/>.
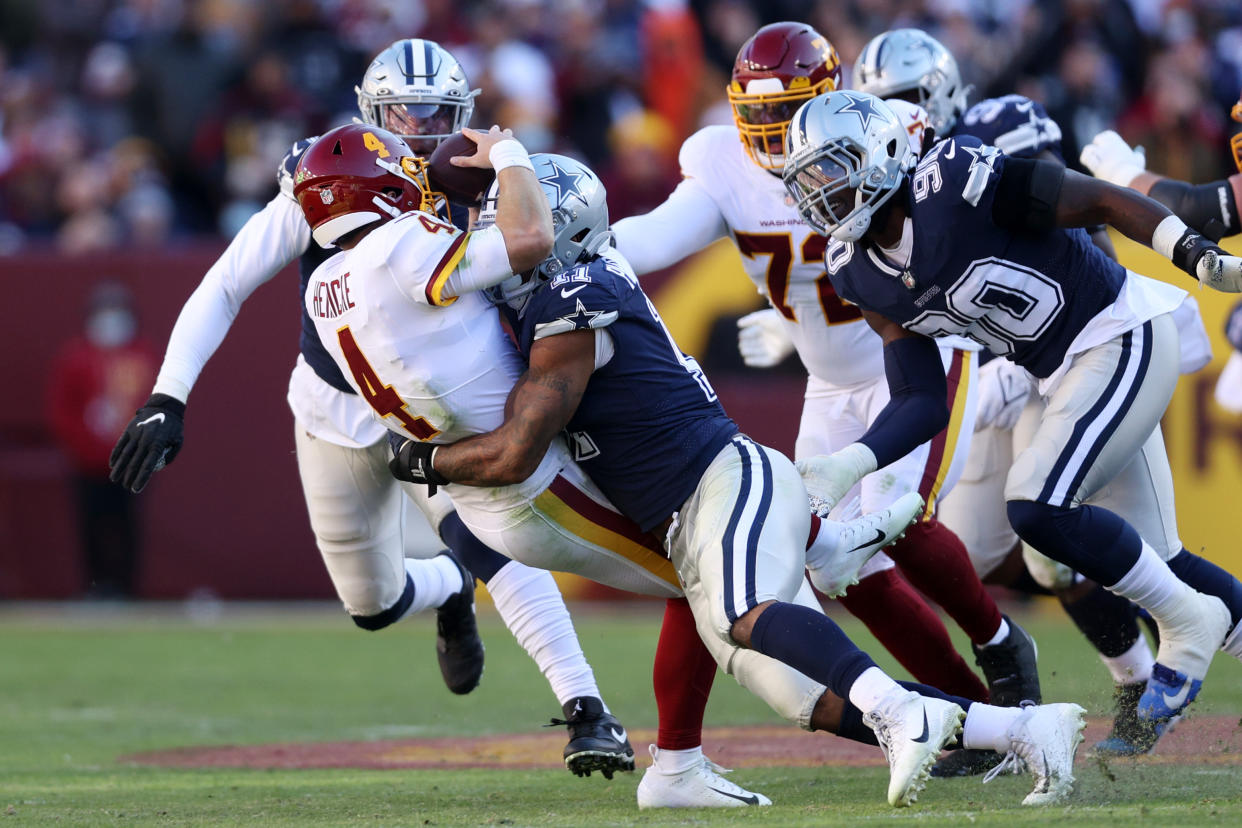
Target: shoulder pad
<point x="585" y="296"/>
<point x="962" y="165"/>
<point x="704" y="149"/>
<point x="284" y="173"/>
<point x="1015" y="123"/>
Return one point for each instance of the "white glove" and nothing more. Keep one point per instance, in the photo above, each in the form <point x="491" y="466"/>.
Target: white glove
<point x="829" y="477"/>
<point x="1111" y="159"/>
<point x="762" y="340"/>
<point x="1003" y="391"/>
<point x="1223" y="273"/>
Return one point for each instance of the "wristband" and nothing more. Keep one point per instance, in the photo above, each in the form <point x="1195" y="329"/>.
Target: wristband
<point x="509" y="153"/>
<point x="861" y="458"/>
<point x="1168" y="233"/>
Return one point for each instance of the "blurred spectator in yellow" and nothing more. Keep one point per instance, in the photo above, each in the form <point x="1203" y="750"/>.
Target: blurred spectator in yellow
<point x="98" y="380"/>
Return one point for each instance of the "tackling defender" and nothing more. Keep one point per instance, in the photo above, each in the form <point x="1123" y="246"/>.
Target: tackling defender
<point x="732" y="187"/>
<point x="356" y="509"/>
<point x="973" y="244"/>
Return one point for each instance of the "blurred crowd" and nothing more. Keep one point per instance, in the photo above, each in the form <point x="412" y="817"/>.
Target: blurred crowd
<point x="133" y="122"/>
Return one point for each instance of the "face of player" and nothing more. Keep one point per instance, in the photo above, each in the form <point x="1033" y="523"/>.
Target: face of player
<point x="423" y="126"/>
<point x="777" y="115"/>
<point x="830" y="181"/>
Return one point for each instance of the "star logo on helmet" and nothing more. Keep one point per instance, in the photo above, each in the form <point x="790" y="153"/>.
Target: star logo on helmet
<point x="864" y="107"/>
<point x="581" y="317"/>
<point x="566" y="183"/>
<point x="326" y="196"/>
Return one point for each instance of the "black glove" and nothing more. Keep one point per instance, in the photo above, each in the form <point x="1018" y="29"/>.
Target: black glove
<point x="150" y="442"/>
<point x="411" y="462"/>
<point x="1192" y="247"/>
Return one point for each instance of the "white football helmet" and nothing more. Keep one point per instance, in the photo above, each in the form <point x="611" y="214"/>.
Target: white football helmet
<point x="579" y="220"/>
<point x="913" y="65"/>
<point x="418" y="91"/>
<point x="846" y="153"/>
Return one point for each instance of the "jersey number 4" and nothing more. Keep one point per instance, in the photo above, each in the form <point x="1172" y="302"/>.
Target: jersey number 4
<point x="780" y="247"/>
<point x="383" y="398"/>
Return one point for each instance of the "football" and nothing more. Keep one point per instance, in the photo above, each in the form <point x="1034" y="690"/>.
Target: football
<point x="462" y="185"/>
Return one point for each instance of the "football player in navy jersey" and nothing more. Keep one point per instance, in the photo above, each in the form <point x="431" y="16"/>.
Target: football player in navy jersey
<point x="909" y="64"/>
<point x="644" y="423"/>
<point x="972" y="242"/>
<point x="357" y="511"/>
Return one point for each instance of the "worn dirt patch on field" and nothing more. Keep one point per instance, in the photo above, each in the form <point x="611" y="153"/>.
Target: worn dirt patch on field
<point x="1201" y="740"/>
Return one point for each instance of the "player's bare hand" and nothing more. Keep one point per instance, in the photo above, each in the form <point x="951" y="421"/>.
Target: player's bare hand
<point x="485" y="141"/>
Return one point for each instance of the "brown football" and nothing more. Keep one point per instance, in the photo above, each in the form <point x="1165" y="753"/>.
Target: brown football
<point x="462" y="185"/>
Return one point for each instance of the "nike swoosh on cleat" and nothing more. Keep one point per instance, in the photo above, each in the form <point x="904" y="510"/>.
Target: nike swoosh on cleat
<point x="879" y="536"/>
<point x="923" y="735"/>
<point x="566" y="292"/>
<point x="1176" y="701"/>
<point x="154" y="418"/>
<point x="619" y="735"/>
<point x="749" y="799"/>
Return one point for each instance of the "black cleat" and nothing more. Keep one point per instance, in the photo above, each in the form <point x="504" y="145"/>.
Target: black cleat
<point x="966" y="762"/>
<point x="597" y="741"/>
<point x="458" y="646"/>
<point x="1011" y="668"/>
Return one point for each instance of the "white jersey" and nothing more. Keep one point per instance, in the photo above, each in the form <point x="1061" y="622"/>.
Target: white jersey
<point x="433" y="368"/>
<point x="724" y="192"/>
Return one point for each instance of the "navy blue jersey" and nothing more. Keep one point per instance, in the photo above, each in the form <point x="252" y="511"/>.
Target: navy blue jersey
<point x="1022" y="295"/>
<point x="649" y="423"/>
<point x="1015" y="123"/>
<point x="309" y="343"/>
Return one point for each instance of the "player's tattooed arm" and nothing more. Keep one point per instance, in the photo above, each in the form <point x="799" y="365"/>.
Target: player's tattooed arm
<point x="541" y="403"/>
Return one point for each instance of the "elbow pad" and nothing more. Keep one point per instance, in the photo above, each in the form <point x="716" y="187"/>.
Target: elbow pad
<point x="1027" y="193"/>
<point x="1208" y="208"/>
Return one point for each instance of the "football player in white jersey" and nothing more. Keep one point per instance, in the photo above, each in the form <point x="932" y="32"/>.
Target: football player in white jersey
<point x="356" y="508"/>
<point x="732" y="187"/>
<point x="910" y="65"/>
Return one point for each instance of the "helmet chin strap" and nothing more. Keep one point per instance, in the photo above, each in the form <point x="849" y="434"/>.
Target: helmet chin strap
<point x="385" y="206"/>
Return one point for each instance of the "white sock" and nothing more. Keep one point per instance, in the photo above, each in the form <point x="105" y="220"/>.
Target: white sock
<point x="1132" y="666"/>
<point x="871" y="688"/>
<point x="677" y="761"/>
<point x="824" y="545"/>
<point x="1153" y="586"/>
<point x="532" y="608"/>
<point x="1002" y="632"/>
<point x="435" y="581"/>
<point x="987" y="725"/>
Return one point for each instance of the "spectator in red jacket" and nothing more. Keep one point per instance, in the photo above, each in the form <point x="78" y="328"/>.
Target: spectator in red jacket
<point x="98" y="380"/>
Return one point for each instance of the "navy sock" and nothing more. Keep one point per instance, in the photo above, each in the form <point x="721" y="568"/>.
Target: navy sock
<point x="811" y="643"/>
<point x="852" y="726"/>
<point x="1088" y="539"/>
<point x="1209" y="579"/>
<point x="391" y="615"/>
<point x="482" y="561"/>
<point x="1109" y="621"/>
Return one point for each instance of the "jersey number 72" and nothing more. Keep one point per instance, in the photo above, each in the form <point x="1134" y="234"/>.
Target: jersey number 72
<point x="780" y="267"/>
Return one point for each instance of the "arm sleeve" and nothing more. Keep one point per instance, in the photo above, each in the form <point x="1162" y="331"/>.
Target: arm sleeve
<point x="917" y="409"/>
<point x="1212" y="209"/>
<point x="267" y="242"/>
<point x="685" y="223"/>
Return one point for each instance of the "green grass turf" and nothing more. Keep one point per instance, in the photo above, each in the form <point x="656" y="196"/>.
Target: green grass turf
<point x="81" y="686"/>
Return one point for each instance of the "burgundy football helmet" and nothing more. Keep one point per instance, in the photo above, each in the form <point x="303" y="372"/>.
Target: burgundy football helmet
<point x="781" y="67"/>
<point x="355" y="175"/>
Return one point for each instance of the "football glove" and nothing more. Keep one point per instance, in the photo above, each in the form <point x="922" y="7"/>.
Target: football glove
<point x="411" y="462"/>
<point x="829" y="477"/>
<point x="1111" y="159"/>
<point x="762" y="340"/>
<point x="149" y="443"/>
<point x="1220" y="271"/>
<point x="1003" y="392"/>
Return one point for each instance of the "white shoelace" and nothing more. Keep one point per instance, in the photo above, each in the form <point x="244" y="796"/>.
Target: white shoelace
<point x="1012" y="763"/>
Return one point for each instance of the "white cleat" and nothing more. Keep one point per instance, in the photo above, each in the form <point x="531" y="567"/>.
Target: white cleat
<point x="1043" y="740"/>
<point x="834" y="573"/>
<point x="912" y="730"/>
<point x="1190" y="637"/>
<point x="702" y="786"/>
